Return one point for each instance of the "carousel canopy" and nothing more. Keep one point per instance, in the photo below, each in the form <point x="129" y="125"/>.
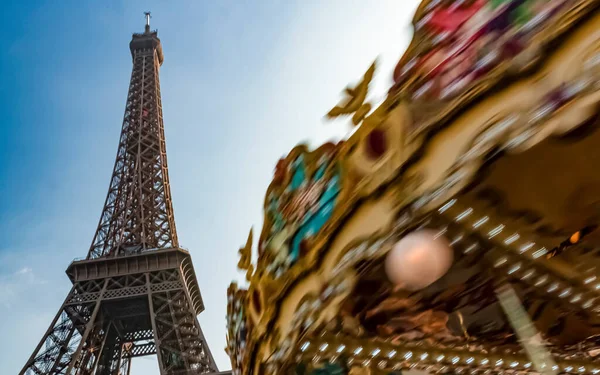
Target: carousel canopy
<point x="456" y="229"/>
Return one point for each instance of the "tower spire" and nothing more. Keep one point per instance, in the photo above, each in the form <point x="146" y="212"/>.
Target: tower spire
<point x="138" y="213"/>
<point x="148" y="16"/>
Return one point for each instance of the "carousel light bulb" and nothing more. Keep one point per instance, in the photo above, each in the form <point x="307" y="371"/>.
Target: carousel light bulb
<point x="565" y="293"/>
<point x="511" y="239"/>
<point x="471" y="248"/>
<point x="464" y="214"/>
<point x="540" y="252"/>
<point x="419" y="259"/>
<point x="446" y="206"/>
<point x="526" y="247"/>
<point x="480" y="222"/>
<point x="528" y="275"/>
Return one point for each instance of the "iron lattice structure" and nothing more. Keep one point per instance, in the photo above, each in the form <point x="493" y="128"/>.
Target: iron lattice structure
<point x="136" y="293"/>
<point x="138" y="214"/>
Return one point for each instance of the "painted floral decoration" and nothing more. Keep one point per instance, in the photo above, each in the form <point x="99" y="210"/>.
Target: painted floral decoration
<point x="238" y="327"/>
<point x="299" y="211"/>
<point x="466" y="39"/>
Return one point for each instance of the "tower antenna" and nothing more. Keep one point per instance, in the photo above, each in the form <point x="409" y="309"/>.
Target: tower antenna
<point x="148" y="16"/>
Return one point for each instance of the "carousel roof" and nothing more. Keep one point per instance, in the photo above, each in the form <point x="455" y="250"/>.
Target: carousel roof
<point x="488" y="140"/>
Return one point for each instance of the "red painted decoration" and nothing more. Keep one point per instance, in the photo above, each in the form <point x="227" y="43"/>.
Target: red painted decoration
<point x="376" y="144"/>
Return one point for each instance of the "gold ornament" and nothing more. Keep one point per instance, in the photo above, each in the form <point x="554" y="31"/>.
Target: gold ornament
<point x="355" y="102"/>
<point x="246" y="257"/>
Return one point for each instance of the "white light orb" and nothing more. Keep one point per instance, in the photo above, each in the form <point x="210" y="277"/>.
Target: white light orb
<point x="418" y="260"/>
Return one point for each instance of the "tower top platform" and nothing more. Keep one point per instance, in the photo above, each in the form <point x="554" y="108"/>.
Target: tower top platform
<point x="147" y="40"/>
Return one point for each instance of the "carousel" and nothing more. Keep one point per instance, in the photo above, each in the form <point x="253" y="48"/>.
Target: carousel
<point x="456" y="230"/>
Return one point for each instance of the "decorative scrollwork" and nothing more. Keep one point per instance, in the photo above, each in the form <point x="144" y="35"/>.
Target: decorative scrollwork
<point x="518" y="131"/>
<point x="355" y="103"/>
<point x="238" y="327"/>
<point x="245" y="262"/>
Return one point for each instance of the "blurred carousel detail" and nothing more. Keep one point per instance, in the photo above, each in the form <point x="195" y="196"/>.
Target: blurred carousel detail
<point x="456" y="230"/>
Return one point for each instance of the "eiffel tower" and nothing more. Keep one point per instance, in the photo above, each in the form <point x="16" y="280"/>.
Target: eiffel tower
<point x="136" y="292"/>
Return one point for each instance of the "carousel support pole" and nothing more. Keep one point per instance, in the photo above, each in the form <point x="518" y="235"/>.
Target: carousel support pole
<point x="525" y="329"/>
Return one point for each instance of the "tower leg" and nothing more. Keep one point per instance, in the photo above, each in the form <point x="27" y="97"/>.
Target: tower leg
<point x="153" y="322"/>
<point x="106" y="356"/>
<point x="179" y="340"/>
<point x="98" y="350"/>
<point x="59" y="348"/>
<point x="76" y="358"/>
<point x="49" y="354"/>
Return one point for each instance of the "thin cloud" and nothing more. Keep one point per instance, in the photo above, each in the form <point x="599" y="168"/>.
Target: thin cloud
<point x="24" y="271"/>
<point x="15" y="284"/>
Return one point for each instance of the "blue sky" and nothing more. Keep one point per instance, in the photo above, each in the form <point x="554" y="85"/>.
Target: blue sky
<point x="242" y="83"/>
